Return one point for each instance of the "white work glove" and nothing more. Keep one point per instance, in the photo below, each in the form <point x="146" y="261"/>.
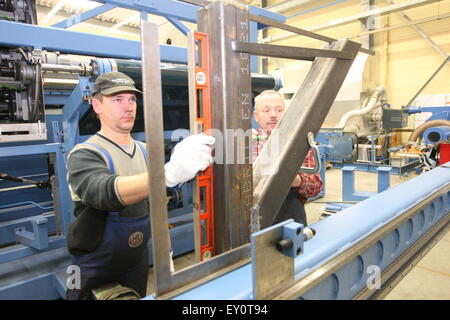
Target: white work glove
<point x="190" y="156"/>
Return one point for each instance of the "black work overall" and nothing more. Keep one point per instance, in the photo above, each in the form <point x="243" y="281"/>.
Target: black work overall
<point x="122" y="255"/>
<point x="293" y="208"/>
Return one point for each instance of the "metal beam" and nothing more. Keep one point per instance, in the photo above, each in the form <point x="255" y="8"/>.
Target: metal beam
<point x="288" y="52"/>
<point x="200" y="3"/>
<point x="83" y="16"/>
<point x="408" y="24"/>
<point x="283" y="26"/>
<point x="361" y="16"/>
<point x="374" y="12"/>
<point x="66" y="41"/>
<point x="231" y="98"/>
<point x="262" y="12"/>
<point x="255" y="26"/>
<point x="177" y="24"/>
<point x="179" y="10"/>
<point x="447" y="59"/>
<point x="166" y="283"/>
<point x="153" y="120"/>
<point x="288" y="5"/>
<point x="421" y="33"/>
<point x="274" y="171"/>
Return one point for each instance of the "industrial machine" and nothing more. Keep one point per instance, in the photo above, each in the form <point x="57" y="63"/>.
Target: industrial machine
<point x="362" y="137"/>
<point x="44" y="112"/>
<point x="359" y="253"/>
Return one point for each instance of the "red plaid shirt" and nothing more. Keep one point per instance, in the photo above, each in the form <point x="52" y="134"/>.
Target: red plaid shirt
<point x="311" y="183"/>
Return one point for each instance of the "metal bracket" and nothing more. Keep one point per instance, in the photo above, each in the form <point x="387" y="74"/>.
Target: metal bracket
<point x="348" y="183"/>
<point x="38" y="239"/>
<point x="293" y="239"/>
<point x="273" y="251"/>
<point x="316" y="154"/>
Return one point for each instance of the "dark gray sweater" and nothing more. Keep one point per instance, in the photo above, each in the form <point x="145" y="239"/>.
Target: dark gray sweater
<point x="93" y="190"/>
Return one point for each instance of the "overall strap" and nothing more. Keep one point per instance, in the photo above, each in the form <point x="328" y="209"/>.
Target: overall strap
<point x="111" y="168"/>
<point x="141" y="146"/>
<point x="105" y="153"/>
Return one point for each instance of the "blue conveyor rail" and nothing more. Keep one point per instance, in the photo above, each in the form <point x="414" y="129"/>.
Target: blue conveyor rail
<point x="340" y="232"/>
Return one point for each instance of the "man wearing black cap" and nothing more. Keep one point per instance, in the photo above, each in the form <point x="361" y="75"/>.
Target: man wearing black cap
<point x="108" y="182"/>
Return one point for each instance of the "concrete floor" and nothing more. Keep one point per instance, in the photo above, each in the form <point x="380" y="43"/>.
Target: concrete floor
<point x="429" y="279"/>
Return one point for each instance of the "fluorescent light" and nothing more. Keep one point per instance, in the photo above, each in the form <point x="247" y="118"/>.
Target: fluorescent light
<point x="127" y="20"/>
<point x="54" y="10"/>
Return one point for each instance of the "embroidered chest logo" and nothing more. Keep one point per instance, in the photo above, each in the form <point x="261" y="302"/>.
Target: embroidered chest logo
<point x="135" y="239"/>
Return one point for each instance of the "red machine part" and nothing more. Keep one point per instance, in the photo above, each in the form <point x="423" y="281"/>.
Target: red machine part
<point x="444" y="153"/>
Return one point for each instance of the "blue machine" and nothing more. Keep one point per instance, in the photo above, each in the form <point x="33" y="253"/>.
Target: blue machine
<point x="435" y="134"/>
<point x="351" y="253"/>
<point x="34" y="142"/>
<point x="334" y="264"/>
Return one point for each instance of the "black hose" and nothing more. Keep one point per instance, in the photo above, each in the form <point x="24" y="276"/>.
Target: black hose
<point x="35" y="103"/>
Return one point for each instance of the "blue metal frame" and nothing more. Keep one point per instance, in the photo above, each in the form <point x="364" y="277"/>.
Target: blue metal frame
<point x="172" y="9"/>
<point x="73" y="110"/>
<point x="339" y="232"/>
<point x="180" y="26"/>
<point x="84" y="16"/>
<point x="26" y="224"/>
<point x="371" y="167"/>
<point x="254" y="27"/>
<point x="38" y="240"/>
<point x="348" y="183"/>
<point x="438" y="112"/>
<point x="66" y="41"/>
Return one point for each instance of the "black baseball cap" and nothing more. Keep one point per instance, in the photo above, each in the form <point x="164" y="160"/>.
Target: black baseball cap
<point x="113" y="82"/>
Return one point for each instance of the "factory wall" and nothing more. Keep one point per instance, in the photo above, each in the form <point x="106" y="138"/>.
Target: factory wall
<point x="403" y="61"/>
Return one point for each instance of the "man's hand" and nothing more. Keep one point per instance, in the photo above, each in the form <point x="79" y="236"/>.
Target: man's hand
<point x="190" y="156"/>
<point x="297" y="182"/>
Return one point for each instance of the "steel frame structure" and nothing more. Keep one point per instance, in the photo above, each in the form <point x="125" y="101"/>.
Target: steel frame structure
<point x="344" y="245"/>
<point x="75" y="106"/>
<point x="333" y="264"/>
<point x="338" y="262"/>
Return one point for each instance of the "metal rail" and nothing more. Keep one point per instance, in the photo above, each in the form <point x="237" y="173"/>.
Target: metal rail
<point x="312" y="279"/>
<point x="302" y="32"/>
<point x="289" y="52"/>
<point x="397" y="270"/>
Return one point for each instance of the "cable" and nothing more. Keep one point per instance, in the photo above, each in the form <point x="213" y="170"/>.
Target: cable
<point x="25" y="202"/>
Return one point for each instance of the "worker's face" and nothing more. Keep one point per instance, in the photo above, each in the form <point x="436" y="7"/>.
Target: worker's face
<point x="268" y="111"/>
<point x="117" y="111"/>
